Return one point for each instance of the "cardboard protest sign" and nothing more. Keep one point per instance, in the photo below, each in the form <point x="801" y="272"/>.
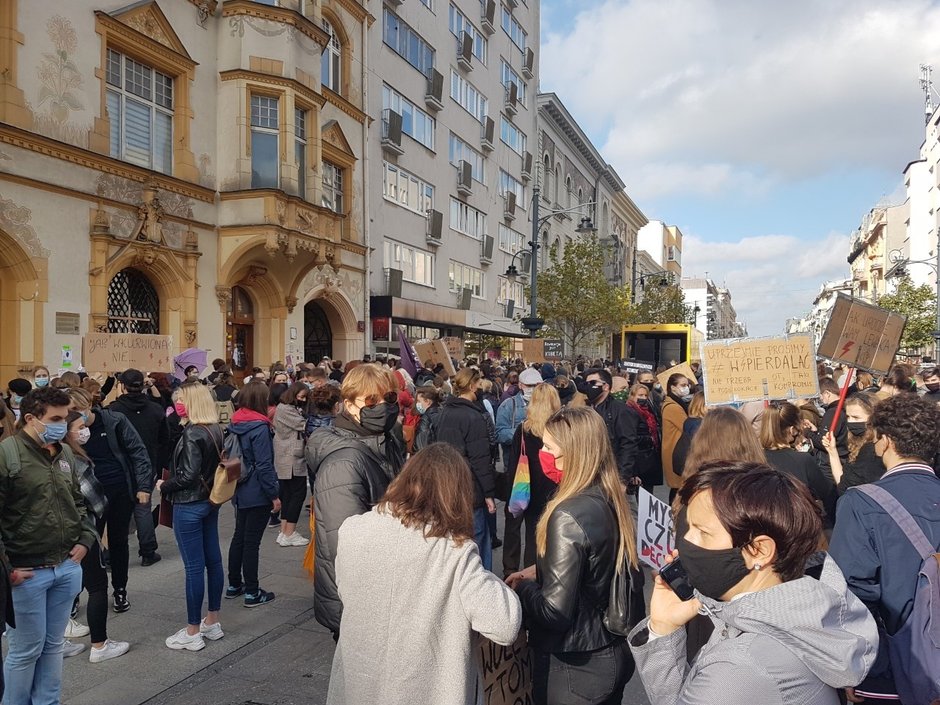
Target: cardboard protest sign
<point x="114" y="352"/>
<point x="454" y="347"/>
<point x="506" y="671"/>
<point x="751" y="369"/>
<point x="552" y="348"/>
<point x="436" y="352"/>
<point x="862" y="335"/>
<point x="533" y="350"/>
<point x="654" y="539"/>
<point x="682" y="368"/>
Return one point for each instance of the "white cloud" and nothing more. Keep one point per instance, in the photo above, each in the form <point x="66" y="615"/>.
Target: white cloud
<point x="771" y="277"/>
<point x="751" y="93"/>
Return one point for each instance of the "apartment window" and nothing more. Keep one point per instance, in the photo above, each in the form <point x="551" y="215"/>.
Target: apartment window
<point x="463" y="276"/>
<point x="264" y="142"/>
<point x="459" y="23"/>
<point x="407" y="190"/>
<point x="509" y="77"/>
<point x="427" y="4"/>
<point x="673" y="254"/>
<point x="416" y="265"/>
<point x="332" y="187"/>
<point x="300" y="149"/>
<point x="407" y="43"/>
<point x="511" y="290"/>
<point x="511" y="136"/>
<point x="467" y="95"/>
<point x="513" y="29"/>
<point x="140" y="110"/>
<point x="510" y="240"/>
<point x="331" y="60"/>
<point x="467" y="219"/>
<point x="509" y="184"/>
<point x="415" y="123"/>
<point x="461" y="151"/>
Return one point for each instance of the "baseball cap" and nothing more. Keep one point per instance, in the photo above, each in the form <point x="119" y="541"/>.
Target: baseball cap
<point x="530" y="377"/>
<point x="133" y="380"/>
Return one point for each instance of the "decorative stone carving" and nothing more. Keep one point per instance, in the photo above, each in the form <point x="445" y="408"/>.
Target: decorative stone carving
<point x="117" y="188"/>
<point x="190" y="337"/>
<point x="145" y="23"/>
<point x="291" y="303"/>
<point x="203" y="11"/>
<point x="149" y="213"/>
<point x="15" y="221"/>
<point x="255" y="272"/>
<point x="102" y="225"/>
<point x="224" y="295"/>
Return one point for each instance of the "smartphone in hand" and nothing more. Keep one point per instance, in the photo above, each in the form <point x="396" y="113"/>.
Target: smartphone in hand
<point x="674" y="575"/>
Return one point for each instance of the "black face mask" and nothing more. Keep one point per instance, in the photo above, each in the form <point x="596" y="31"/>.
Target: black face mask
<point x="712" y="572"/>
<point x="857" y="428"/>
<point x="645" y="403"/>
<point x="933" y="386"/>
<point x="593" y="392"/>
<point x="380" y="418"/>
<point x="648" y="385"/>
<point x="479" y="394"/>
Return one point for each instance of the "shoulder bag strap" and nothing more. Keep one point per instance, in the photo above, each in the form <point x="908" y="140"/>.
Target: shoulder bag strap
<point x="901" y="517"/>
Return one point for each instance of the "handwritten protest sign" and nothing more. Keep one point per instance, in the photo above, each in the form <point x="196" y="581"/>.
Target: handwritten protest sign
<point x="682" y="369"/>
<point x="552" y="347"/>
<point x="506" y="671"/>
<point x="654" y="539"/>
<point x="636" y="366"/>
<point x="862" y="335"/>
<point x="436" y="352"/>
<point x="454" y="347"/>
<point x="533" y="350"/>
<point x="751" y="369"/>
<point x="114" y="352"/>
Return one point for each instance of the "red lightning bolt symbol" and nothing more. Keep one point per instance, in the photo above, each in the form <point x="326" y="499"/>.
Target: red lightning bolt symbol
<point x="846" y="347"/>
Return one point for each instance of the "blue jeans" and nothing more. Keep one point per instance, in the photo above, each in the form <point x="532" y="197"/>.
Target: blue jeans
<point x="42" y="604"/>
<point x="481" y="535"/>
<point x="196" y="527"/>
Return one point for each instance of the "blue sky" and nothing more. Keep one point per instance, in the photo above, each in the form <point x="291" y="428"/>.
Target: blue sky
<point x="765" y="131"/>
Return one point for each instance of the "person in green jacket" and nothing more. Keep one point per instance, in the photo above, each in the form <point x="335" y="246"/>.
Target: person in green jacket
<point x="45" y="534"/>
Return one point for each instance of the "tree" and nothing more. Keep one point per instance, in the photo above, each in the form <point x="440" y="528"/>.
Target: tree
<point x="919" y="304"/>
<point x="575" y="299"/>
<point x="662" y="304"/>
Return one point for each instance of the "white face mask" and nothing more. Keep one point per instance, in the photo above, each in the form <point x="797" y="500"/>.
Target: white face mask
<point x="682" y="391"/>
<point x="527" y="393"/>
<point x="83" y="435"/>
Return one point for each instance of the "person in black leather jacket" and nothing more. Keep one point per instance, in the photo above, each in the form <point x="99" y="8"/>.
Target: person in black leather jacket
<point x="427" y="403"/>
<point x="584" y="535"/>
<point x="195" y="519"/>
<point x="353" y="461"/>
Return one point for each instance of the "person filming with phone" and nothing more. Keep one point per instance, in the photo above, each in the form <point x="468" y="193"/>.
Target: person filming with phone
<point x="787" y="628"/>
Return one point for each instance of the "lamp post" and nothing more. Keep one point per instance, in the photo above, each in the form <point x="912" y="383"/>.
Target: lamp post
<point x="900" y="262"/>
<point x="532" y="322"/>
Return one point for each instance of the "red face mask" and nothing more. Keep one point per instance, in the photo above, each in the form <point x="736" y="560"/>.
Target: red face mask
<point x="547" y="463"/>
<point x="180" y="409"/>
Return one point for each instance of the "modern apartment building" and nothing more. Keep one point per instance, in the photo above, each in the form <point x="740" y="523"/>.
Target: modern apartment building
<point x="189" y="168"/>
<point x="664" y="243"/>
<point x="453" y="90"/>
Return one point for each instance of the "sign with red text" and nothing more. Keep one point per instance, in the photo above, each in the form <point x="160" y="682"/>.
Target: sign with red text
<point x="506" y="671"/>
<point x="862" y="335"/>
<point x="654" y="537"/>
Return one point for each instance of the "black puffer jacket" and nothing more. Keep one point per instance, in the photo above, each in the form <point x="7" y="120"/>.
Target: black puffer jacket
<point x="148" y="418"/>
<point x="351" y="476"/>
<point x="462" y="425"/>
<point x="194" y="463"/>
<point x="427" y="428"/>
<point x="564" y="607"/>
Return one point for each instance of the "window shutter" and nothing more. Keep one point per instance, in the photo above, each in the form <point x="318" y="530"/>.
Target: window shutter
<point x="137" y="133"/>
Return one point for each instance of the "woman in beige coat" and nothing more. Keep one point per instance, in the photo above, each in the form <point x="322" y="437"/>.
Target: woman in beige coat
<point x="675" y="412"/>
<point x="290" y="423"/>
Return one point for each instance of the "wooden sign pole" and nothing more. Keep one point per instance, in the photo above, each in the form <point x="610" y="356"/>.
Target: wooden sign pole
<point x="842" y="396"/>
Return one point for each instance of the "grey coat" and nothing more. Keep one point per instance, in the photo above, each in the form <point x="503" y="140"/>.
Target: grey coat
<point x="792" y="644"/>
<point x="289" y="427"/>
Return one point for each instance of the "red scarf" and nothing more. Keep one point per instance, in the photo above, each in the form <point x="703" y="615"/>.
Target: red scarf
<point x="245" y="415"/>
<point x="650" y="419"/>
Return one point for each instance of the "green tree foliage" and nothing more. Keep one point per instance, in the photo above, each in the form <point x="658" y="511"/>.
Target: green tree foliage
<point x="662" y="304"/>
<point x="576" y="301"/>
<point x="919" y="304"/>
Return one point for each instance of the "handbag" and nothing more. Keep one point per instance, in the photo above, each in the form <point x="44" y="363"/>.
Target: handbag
<point x="626" y="606"/>
<point x="521" y="493"/>
<point x="227" y="474"/>
<point x="165" y="508"/>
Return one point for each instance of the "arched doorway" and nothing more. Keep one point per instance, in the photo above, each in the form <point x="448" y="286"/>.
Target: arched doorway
<point x="240" y="333"/>
<point x="133" y="304"/>
<point x="318" y="336"/>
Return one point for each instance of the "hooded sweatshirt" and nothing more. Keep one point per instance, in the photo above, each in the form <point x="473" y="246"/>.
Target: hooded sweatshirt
<point x="792" y="644"/>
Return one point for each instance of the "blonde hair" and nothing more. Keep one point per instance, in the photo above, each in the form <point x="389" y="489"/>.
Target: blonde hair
<point x="465" y="380"/>
<point x="200" y="407"/>
<point x="369" y="382"/>
<point x="697" y="408"/>
<point x="545" y="402"/>
<point x="581" y="435"/>
<point x="81" y="398"/>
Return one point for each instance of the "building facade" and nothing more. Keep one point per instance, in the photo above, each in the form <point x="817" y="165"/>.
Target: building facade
<point x="879" y="241"/>
<point x="712" y="309"/>
<point x="451" y="166"/>
<point x="922" y="185"/>
<point x="664" y="244"/>
<point x="186" y="168"/>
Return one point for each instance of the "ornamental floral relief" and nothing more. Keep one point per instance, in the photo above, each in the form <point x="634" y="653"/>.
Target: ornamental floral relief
<point x="329" y="280"/>
<point x="15" y="221"/>
<point x="60" y="84"/>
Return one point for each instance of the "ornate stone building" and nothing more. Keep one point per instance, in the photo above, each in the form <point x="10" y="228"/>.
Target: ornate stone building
<point x="183" y="167"/>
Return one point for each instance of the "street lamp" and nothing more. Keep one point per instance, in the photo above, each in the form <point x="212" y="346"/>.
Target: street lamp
<point x="695" y="312"/>
<point x="900" y="262"/>
<point x="532" y="322"/>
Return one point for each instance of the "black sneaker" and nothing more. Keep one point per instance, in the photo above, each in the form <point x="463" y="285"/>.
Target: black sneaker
<point x="120" y="601"/>
<point x="495" y="543"/>
<point x="275" y="520"/>
<point x="150" y="559"/>
<point x="262" y="597"/>
<point x="231" y="592"/>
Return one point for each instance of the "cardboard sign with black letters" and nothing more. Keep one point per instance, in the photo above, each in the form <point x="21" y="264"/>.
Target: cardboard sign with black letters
<point x="862" y="335"/>
<point x="506" y="672"/>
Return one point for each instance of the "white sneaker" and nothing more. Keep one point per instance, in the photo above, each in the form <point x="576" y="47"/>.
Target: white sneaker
<point x="75" y="630"/>
<point x="295" y="539"/>
<point x="280" y="538"/>
<point x="69" y="649"/>
<point x="111" y="649"/>
<point x="212" y="632"/>
<point x="183" y="640"/>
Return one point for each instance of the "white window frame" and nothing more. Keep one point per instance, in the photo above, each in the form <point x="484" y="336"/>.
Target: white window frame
<point x="415" y="122"/>
<point x="120" y="92"/>
<point x="459" y="23"/>
<point x="512" y="136"/>
<point x="404" y="189"/>
<point x="468" y="97"/>
<point x="508" y="76"/>
<point x="511" y="289"/>
<point x="467" y="220"/>
<point x="332" y="178"/>
<point x="332" y="57"/>
<point x="266" y="129"/>
<point x="410" y="260"/>
<point x="406" y="36"/>
<point x="507" y="183"/>
<point x="461" y="151"/>
<point x="301" y="119"/>
<point x="513" y="29"/>
<point x="461" y="276"/>
<point x="510" y="241"/>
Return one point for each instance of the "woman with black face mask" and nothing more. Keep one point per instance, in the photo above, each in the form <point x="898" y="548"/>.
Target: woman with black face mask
<point x="786" y="626"/>
<point x="649" y="464"/>
<point x="863" y="465"/>
<point x="354" y="460"/>
<point x="290" y="422"/>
